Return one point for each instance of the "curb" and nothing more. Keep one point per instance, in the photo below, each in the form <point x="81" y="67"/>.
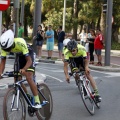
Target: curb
<point x="105" y="68"/>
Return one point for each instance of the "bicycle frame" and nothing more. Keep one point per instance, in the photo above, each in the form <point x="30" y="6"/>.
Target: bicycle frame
<point x="85" y="83"/>
<point x="17" y="86"/>
<point x="19" y="89"/>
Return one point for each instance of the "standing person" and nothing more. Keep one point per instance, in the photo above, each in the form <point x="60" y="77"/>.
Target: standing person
<point x="61" y="37"/>
<point x="91" y="39"/>
<point x="39" y="41"/>
<point x="20" y="31"/>
<point x="83" y="37"/>
<point x="50" y="41"/>
<point x="98" y="46"/>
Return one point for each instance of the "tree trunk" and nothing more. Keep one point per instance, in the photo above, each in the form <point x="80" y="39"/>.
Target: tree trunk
<point x="115" y="32"/>
<point x="102" y="21"/>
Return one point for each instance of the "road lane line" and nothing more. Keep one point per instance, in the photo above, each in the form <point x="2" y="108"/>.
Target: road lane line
<point x="54" y="78"/>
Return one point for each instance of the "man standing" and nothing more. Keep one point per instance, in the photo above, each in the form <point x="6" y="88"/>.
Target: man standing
<point x="98" y="46"/>
<point x="61" y="37"/>
<point x="50" y="41"/>
<point x="20" y="31"/>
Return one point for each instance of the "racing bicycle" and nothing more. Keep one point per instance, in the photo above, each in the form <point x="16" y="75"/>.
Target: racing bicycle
<point x="14" y="107"/>
<point x="86" y="93"/>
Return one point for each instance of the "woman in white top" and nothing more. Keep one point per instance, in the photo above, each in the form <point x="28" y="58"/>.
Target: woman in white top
<point x="83" y="37"/>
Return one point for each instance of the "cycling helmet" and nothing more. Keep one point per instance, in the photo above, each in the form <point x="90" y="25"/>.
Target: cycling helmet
<point x="7" y="39"/>
<point x="66" y="41"/>
<point x="72" y="45"/>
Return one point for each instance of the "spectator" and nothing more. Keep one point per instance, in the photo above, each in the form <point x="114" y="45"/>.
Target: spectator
<point x="11" y="27"/>
<point x="50" y="41"/>
<point x="61" y="37"/>
<point x="91" y="39"/>
<point x="83" y="37"/>
<point x="3" y="28"/>
<point x="20" y="31"/>
<point x="98" y="46"/>
<point x="39" y="41"/>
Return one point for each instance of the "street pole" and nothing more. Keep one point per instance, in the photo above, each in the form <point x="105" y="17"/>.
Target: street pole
<point x="0" y="23"/>
<point x="37" y="15"/>
<point x="37" y="19"/>
<point x="108" y="32"/>
<point x="22" y="13"/>
<point x="64" y="14"/>
<point x="16" y="6"/>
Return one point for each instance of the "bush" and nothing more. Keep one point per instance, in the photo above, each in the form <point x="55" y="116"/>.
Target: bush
<point x="115" y="46"/>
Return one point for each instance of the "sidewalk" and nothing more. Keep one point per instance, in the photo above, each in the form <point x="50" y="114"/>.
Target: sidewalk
<point x="111" y="68"/>
<point x="8" y="82"/>
<point x="113" y="52"/>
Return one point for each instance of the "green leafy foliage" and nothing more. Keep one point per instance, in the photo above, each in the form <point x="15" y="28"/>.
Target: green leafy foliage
<point x="115" y="45"/>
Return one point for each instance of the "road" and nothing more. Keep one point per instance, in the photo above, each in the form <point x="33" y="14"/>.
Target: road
<point x="67" y="101"/>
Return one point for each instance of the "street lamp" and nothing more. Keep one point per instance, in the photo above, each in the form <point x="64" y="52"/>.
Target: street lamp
<point x="64" y="13"/>
<point x="108" y="32"/>
<point x="22" y="12"/>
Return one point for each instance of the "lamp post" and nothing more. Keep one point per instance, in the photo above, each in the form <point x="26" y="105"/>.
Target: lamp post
<point x="37" y="18"/>
<point x="22" y="13"/>
<point x="108" y="32"/>
<point x="64" y="13"/>
<point x="16" y="6"/>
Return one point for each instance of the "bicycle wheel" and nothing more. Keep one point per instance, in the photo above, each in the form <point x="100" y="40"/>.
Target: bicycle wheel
<point x="12" y="113"/>
<point x="45" y="112"/>
<point x="86" y="98"/>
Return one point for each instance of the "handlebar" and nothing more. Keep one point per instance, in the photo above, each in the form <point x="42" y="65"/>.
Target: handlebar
<point x="80" y="73"/>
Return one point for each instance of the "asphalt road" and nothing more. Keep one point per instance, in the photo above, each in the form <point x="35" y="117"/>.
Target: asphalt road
<point x="67" y="103"/>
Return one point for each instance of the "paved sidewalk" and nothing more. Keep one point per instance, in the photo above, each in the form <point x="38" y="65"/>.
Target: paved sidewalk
<point x="112" y="52"/>
<point x="8" y="82"/>
<point x="111" y="68"/>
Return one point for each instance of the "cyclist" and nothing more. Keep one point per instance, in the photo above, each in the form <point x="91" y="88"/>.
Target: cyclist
<point x="26" y="60"/>
<point x="76" y="56"/>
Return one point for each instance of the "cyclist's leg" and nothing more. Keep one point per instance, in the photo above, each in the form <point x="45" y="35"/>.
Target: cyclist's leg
<point x="29" y="78"/>
<point x="29" y="75"/>
<point x="22" y="85"/>
<point x="74" y="67"/>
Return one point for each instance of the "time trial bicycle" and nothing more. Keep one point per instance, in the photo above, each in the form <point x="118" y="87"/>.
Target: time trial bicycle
<point x="14" y="107"/>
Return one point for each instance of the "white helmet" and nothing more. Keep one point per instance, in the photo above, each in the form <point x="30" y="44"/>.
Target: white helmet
<point x="7" y="39"/>
<point x="66" y="41"/>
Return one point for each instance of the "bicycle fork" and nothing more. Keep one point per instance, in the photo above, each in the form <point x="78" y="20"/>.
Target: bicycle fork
<point x="17" y="101"/>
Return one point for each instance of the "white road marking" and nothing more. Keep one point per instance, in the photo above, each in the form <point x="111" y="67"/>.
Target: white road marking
<point x="54" y="78"/>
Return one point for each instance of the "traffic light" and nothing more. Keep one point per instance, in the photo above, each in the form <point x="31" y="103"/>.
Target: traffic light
<point x="105" y="6"/>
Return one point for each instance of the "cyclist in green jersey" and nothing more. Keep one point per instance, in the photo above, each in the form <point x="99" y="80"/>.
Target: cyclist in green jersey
<point x="75" y="56"/>
<point x="26" y="60"/>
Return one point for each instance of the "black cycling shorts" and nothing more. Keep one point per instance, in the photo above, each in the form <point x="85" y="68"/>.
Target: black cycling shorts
<point x="22" y="61"/>
<point x="77" y="62"/>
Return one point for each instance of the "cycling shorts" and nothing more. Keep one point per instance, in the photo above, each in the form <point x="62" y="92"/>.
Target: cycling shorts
<point x="77" y="62"/>
<point x="22" y="61"/>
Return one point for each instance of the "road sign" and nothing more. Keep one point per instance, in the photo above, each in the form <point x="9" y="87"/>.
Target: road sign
<point x="4" y="4"/>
